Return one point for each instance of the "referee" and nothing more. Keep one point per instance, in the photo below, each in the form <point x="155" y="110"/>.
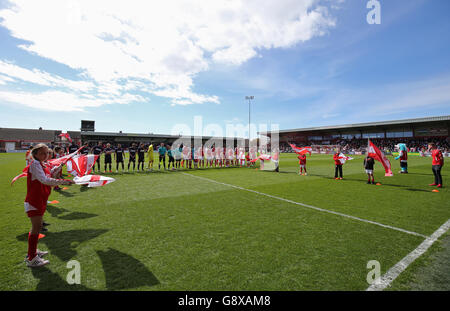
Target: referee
<point x="162" y="156"/>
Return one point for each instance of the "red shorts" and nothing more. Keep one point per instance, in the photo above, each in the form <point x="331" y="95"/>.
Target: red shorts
<point x="37" y="212"/>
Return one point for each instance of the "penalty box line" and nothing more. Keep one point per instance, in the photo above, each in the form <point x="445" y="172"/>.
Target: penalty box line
<point x="311" y="207"/>
<point x="401" y="266"/>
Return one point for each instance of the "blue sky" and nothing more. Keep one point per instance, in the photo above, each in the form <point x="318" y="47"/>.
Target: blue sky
<point x="145" y="69"/>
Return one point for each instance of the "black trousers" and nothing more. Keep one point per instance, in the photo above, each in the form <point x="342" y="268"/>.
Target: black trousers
<point x="108" y="160"/>
<point x="117" y="164"/>
<point x="437" y="174"/>
<point x="163" y="159"/>
<point x="132" y="160"/>
<point x="98" y="163"/>
<point x="338" y="169"/>
<point x="171" y="160"/>
<point x="141" y="164"/>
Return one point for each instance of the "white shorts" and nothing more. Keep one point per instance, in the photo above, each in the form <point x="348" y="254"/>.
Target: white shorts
<point x="302" y="165"/>
<point x="369" y="171"/>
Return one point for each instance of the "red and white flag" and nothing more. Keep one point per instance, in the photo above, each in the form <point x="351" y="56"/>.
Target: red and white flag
<point x="63" y="160"/>
<point x="343" y="158"/>
<point x="93" y="180"/>
<point x="66" y="135"/>
<point x="51" y="163"/>
<point x="299" y="150"/>
<point x="264" y="157"/>
<point x="267" y="157"/>
<point x="378" y="155"/>
<point x="24" y="174"/>
<point x="81" y="165"/>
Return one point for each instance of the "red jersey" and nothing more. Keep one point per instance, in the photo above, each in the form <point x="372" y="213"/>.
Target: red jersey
<point x="438" y="159"/>
<point x="37" y="192"/>
<point x="336" y="159"/>
<point x="404" y="156"/>
<point x="302" y="159"/>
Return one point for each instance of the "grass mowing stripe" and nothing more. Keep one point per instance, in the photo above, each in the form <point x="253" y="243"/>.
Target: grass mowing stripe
<point x="312" y="207"/>
<point x="395" y="271"/>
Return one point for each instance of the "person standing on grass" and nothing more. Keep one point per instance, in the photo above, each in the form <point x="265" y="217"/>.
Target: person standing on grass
<point x="108" y="157"/>
<point x="247" y="159"/>
<point x="437" y="164"/>
<point x="368" y="165"/>
<point x="171" y="158"/>
<point x="73" y="147"/>
<point x="28" y="157"/>
<point x="85" y="149"/>
<point x="337" y="166"/>
<point x="179" y="153"/>
<point x="150" y="157"/>
<point x="302" y="164"/>
<point x="141" y="156"/>
<point x="39" y="185"/>
<point x="118" y="157"/>
<point x="186" y="156"/>
<point x="58" y="174"/>
<point x="132" y="152"/>
<point x="97" y="150"/>
<point x="193" y="158"/>
<point x="162" y="156"/>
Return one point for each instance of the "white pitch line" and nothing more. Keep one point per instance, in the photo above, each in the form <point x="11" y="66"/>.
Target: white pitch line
<point x="312" y="207"/>
<point x="395" y="271"/>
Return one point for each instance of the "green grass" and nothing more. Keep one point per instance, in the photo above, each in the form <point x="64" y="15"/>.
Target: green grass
<point x="171" y="231"/>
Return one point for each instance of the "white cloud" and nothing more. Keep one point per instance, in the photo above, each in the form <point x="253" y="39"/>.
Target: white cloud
<point x="156" y="47"/>
<point x="5" y="79"/>
<point x="42" y="78"/>
<point x="62" y="101"/>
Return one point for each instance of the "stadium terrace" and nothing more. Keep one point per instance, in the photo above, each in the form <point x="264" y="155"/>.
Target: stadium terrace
<point x="416" y="133"/>
<point x="19" y="140"/>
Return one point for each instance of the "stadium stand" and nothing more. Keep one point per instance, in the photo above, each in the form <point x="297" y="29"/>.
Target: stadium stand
<point x="415" y="133"/>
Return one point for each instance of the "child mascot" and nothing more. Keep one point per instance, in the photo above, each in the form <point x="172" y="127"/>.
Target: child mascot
<point x="403" y="156"/>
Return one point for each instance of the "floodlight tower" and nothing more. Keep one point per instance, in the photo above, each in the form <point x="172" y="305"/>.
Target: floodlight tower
<point x="249" y="98"/>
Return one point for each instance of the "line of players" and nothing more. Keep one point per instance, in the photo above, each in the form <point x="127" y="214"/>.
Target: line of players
<point x="178" y="157"/>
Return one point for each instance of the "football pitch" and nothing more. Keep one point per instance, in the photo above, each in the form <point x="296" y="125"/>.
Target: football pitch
<point x="229" y="228"/>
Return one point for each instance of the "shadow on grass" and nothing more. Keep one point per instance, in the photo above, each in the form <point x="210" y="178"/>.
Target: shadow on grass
<point x="123" y="271"/>
<point x="65" y="193"/>
<point x="405" y="187"/>
<point x="56" y="212"/>
<point x="63" y="244"/>
<point x="421" y="174"/>
<point x="77" y="216"/>
<point x="86" y="188"/>
<point x="417" y="190"/>
<point x="49" y="280"/>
